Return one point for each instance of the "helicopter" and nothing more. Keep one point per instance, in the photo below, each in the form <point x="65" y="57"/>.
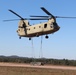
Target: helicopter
<point x="45" y="28"/>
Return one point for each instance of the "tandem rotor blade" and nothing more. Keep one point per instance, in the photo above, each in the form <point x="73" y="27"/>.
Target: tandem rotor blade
<point x="50" y="15"/>
<point x="39" y="16"/>
<point x="16" y="14"/>
<point x="47" y="12"/>
<point x="11" y="20"/>
<point x="65" y="17"/>
<point x="54" y="16"/>
<point x="38" y="19"/>
<point x="27" y="19"/>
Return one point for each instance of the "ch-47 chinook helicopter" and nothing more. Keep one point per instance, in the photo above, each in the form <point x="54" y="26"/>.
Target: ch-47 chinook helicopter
<point x="45" y="28"/>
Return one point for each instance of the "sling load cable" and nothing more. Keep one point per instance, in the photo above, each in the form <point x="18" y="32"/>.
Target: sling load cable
<point x="41" y="52"/>
<point x="33" y="52"/>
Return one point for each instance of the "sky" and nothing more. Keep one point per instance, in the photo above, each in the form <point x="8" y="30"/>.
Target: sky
<point x="60" y="45"/>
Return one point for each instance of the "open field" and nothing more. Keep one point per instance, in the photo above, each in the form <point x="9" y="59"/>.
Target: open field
<point x="19" y="69"/>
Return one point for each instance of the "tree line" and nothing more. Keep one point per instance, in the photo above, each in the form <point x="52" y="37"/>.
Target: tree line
<point x="17" y="59"/>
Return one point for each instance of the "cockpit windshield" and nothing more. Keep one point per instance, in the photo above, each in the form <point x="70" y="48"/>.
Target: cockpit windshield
<point x="55" y="24"/>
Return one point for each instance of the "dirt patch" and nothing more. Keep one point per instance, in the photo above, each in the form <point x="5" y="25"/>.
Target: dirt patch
<point x="31" y="66"/>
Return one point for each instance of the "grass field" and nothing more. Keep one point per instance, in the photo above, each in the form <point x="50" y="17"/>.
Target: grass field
<point x="33" y="71"/>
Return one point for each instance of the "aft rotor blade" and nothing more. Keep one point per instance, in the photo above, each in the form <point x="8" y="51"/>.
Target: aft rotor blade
<point x="54" y="16"/>
<point x="39" y="16"/>
<point x="48" y="13"/>
<point x="65" y="17"/>
<point x="36" y="18"/>
<point x="16" y="14"/>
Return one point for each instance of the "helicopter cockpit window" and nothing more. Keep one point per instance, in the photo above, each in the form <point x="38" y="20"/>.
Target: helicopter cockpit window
<point x="45" y="25"/>
<point x="55" y="24"/>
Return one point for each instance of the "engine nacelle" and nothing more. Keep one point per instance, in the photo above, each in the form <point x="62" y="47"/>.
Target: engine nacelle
<point x="22" y="31"/>
<point x="23" y="23"/>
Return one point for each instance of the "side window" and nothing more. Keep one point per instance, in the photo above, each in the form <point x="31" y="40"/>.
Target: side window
<point x="45" y="25"/>
<point x="39" y="26"/>
<point x="34" y="27"/>
<point x="51" y="25"/>
<point x="29" y="28"/>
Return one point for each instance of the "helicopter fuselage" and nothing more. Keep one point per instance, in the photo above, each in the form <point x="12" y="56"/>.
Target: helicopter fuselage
<point x="27" y="30"/>
<point x="38" y="29"/>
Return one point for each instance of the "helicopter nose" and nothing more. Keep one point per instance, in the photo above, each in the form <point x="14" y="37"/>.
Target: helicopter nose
<point x="58" y="27"/>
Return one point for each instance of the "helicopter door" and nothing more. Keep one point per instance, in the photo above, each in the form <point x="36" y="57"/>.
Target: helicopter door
<point x="45" y="25"/>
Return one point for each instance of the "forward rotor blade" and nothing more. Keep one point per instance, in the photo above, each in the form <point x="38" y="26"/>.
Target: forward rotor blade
<point x="27" y="19"/>
<point x="16" y="14"/>
<point x="11" y="20"/>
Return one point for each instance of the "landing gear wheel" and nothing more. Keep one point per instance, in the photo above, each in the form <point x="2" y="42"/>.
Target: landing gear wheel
<point x="46" y="37"/>
<point x="19" y="37"/>
<point x="29" y="38"/>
